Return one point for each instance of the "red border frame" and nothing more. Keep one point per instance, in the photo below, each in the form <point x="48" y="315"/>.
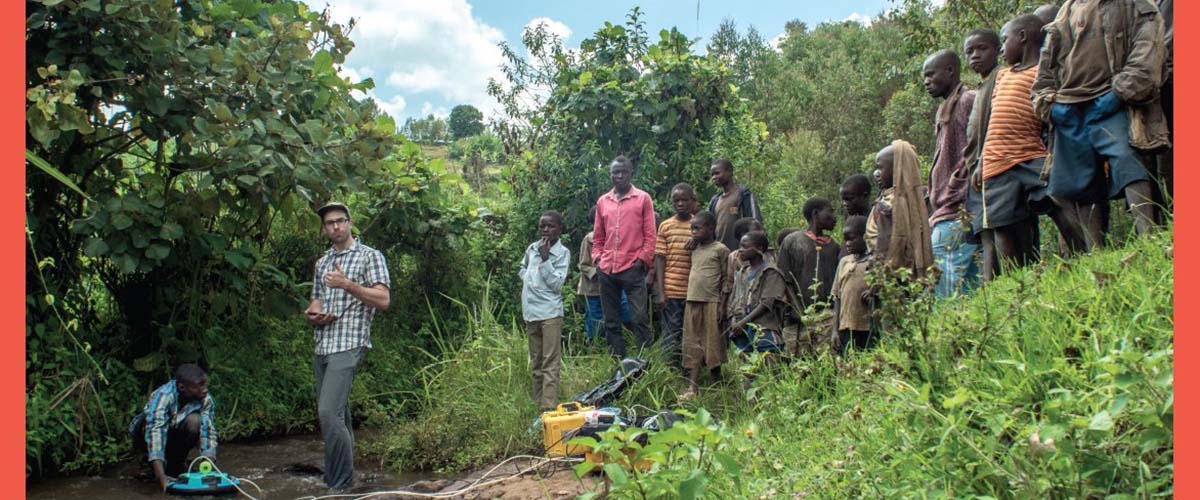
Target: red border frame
<point x="1187" y="238"/>
<point x="12" y="296"/>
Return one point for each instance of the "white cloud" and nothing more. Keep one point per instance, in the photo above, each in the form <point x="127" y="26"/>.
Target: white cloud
<point x="777" y="40"/>
<point x="423" y="78"/>
<point x="859" y="18"/>
<point x="439" y="111"/>
<point x="433" y="47"/>
<point x="393" y="106"/>
<point x="553" y="26"/>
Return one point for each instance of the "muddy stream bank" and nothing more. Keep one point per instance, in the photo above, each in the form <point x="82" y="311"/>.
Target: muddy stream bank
<point x="289" y="467"/>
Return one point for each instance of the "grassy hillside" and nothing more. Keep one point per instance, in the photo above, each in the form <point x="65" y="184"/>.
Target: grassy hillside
<point x="1055" y="381"/>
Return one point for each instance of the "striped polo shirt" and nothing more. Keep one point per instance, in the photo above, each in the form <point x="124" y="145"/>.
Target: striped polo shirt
<point x="1014" y="133"/>
<point x="673" y="236"/>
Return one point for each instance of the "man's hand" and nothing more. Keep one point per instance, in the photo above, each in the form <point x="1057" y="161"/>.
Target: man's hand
<point x="977" y="179"/>
<point x="544" y="249"/>
<point x="165" y="481"/>
<point x="317" y="318"/>
<point x="737" y="327"/>
<point x="337" y="278"/>
<point x="867" y="297"/>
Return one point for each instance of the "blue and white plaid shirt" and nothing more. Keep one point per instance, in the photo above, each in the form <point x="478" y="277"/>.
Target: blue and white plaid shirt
<point x="162" y="413"/>
<point x="352" y="329"/>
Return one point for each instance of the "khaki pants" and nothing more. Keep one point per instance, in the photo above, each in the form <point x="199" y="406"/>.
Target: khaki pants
<point x="545" y="358"/>
<point x="809" y="340"/>
<point x="704" y="346"/>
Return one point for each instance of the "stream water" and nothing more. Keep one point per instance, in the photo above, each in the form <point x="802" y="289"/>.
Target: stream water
<point x="285" y="467"/>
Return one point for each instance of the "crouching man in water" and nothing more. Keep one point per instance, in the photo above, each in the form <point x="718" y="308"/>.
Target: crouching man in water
<point x="179" y="415"/>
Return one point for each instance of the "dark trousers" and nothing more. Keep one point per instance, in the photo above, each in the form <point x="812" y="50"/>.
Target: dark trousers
<point x="335" y="376"/>
<point x="859" y="340"/>
<point x="672" y="339"/>
<point x="181" y="439"/>
<point x="633" y="282"/>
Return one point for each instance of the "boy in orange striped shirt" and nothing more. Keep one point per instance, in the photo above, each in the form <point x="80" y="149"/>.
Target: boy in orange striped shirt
<point x="672" y="263"/>
<point x="1009" y="175"/>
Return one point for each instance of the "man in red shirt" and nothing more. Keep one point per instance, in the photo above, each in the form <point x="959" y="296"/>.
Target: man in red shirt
<point x="623" y="250"/>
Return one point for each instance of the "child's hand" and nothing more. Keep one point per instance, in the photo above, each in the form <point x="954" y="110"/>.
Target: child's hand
<point x="691" y="244"/>
<point x="867" y="297"/>
<point x="977" y="180"/>
<point x="544" y="249"/>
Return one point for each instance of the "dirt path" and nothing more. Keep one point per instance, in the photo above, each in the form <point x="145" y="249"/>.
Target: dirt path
<point x="553" y="481"/>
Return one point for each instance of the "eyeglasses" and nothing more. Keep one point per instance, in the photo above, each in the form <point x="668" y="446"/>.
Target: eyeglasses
<point x="336" y="222"/>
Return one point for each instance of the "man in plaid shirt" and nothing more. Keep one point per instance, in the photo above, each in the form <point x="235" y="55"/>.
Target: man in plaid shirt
<point x="179" y="415"/>
<point x="351" y="282"/>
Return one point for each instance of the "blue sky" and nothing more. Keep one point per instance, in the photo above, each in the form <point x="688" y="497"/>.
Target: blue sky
<point x="426" y="56"/>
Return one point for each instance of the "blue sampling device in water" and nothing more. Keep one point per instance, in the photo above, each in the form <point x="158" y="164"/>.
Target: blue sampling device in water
<point x="204" y="482"/>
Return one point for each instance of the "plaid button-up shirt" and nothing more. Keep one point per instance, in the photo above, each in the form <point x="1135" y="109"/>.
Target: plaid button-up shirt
<point x="162" y="413"/>
<point x="352" y="329"/>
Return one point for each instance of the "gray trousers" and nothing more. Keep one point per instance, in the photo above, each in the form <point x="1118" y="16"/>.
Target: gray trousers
<point x="672" y="339"/>
<point x="335" y="374"/>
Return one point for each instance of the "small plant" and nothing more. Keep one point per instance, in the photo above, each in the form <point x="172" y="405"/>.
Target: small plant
<point x="678" y="462"/>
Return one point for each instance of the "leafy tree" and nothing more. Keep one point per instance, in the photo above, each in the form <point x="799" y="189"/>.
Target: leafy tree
<point x="465" y="121"/>
<point x="751" y="60"/>
<point x="428" y="130"/>
<point x="475" y="153"/>
<point x="665" y="107"/>
<point x="527" y="84"/>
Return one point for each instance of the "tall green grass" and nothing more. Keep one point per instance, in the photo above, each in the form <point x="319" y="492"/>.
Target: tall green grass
<point x="1054" y="381"/>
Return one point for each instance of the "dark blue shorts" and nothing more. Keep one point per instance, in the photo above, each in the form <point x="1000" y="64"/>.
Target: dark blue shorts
<point x="755" y="340"/>
<point x="1087" y="134"/>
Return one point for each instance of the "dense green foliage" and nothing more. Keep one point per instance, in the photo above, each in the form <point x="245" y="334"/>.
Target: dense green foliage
<point x="1055" y="381"/>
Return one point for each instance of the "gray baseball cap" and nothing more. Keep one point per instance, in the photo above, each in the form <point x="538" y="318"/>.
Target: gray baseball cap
<point x="331" y="206"/>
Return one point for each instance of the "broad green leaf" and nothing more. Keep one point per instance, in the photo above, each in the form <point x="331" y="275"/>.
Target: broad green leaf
<point x="148" y="363"/>
<point x="239" y="259"/>
<point x="121" y="222"/>
<point x="54" y="172"/>
<point x="1102" y="421"/>
<point x="158" y="251"/>
<point x="616" y="474"/>
<point x="126" y="263"/>
<point x="95" y="247"/>
<point x="221" y="111"/>
<point x="583" y="469"/>
<point x="322" y="62"/>
<point x="693" y="487"/>
<point x="170" y="231"/>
